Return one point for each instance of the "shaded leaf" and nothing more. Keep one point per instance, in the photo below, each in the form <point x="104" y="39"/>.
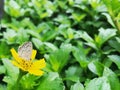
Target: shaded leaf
<point x="115" y="59"/>
<point x="2" y="69"/>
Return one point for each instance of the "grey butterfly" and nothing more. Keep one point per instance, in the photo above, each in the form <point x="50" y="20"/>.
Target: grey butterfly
<point x="25" y="51"/>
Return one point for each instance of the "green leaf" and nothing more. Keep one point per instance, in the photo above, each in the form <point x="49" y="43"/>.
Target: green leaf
<point x="115" y="59"/>
<point x="95" y="3"/>
<point x="104" y="35"/>
<point x="26" y="22"/>
<point x="98" y="84"/>
<point x="38" y="44"/>
<point x="78" y="17"/>
<point x="28" y="81"/>
<point x="80" y="55"/>
<point x="109" y="19"/>
<point x="34" y="34"/>
<point x="13" y="9"/>
<point x="77" y="86"/>
<point x="4" y="49"/>
<point x="115" y="44"/>
<point x="49" y="35"/>
<point x="118" y="39"/>
<point x="51" y="46"/>
<point x="108" y="81"/>
<point x="96" y="67"/>
<point x="12" y="74"/>
<point x="73" y="73"/>
<point x="70" y="33"/>
<point x="86" y="37"/>
<point x="62" y="19"/>
<point x="112" y="79"/>
<point x="2" y="69"/>
<point x="90" y="41"/>
<point x="59" y="58"/>
<point x="43" y="26"/>
<point x="112" y="6"/>
<point x="107" y="62"/>
<point x="22" y="36"/>
<point x="3" y="87"/>
<point x="10" y="36"/>
<point x="62" y="4"/>
<point x="52" y="81"/>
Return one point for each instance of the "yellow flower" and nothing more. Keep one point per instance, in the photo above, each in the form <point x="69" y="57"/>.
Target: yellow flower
<point x="29" y="65"/>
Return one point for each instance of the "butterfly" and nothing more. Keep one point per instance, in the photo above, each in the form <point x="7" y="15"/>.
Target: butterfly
<point x="25" y="51"/>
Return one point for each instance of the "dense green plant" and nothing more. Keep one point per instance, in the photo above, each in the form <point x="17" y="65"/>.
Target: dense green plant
<point x="79" y="40"/>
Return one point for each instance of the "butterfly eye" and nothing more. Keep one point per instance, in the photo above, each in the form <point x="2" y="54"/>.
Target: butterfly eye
<point x="25" y="51"/>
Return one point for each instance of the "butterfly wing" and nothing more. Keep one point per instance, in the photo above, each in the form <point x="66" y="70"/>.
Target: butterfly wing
<point x="25" y="51"/>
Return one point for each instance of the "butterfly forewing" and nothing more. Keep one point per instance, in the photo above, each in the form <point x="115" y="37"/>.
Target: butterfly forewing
<point x="25" y="51"/>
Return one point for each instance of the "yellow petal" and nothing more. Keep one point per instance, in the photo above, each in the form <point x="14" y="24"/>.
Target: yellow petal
<point x="39" y="64"/>
<point x="33" y="54"/>
<point x="36" y="72"/>
<point x="15" y="55"/>
<point x="17" y="65"/>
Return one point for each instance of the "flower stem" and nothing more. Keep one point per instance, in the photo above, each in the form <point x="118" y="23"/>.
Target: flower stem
<point x="17" y="85"/>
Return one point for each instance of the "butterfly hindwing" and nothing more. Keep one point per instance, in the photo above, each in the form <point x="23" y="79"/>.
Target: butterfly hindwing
<point x="25" y="51"/>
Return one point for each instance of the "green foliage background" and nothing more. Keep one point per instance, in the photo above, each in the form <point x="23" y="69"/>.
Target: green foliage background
<point x="79" y="39"/>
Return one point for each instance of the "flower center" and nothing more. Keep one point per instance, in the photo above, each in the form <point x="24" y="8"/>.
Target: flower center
<point x="26" y="64"/>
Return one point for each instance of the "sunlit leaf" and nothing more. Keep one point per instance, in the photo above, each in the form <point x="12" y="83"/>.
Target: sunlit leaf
<point x="12" y="74"/>
<point x="77" y="86"/>
<point x="73" y="73"/>
<point x="112" y="79"/>
<point x="104" y="35"/>
<point x="108" y="81"/>
<point x="52" y="81"/>
<point x="96" y="67"/>
<point x="59" y="58"/>
<point x="10" y="36"/>
<point x="22" y="36"/>
<point x="98" y="84"/>
<point x="80" y="55"/>
<point x="28" y="85"/>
